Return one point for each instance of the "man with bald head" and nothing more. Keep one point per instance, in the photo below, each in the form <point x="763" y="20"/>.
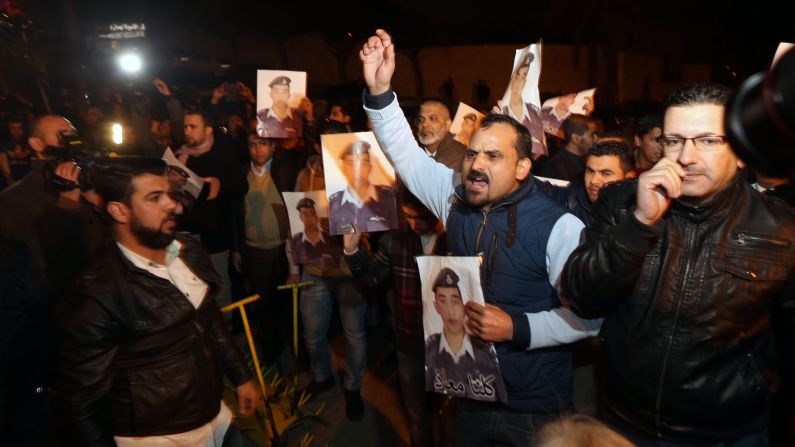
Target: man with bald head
<point x="25" y="201"/>
<point x="433" y="134"/>
<point x="51" y="228"/>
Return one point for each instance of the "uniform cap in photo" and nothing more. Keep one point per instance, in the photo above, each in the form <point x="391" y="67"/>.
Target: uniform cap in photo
<point x="280" y="80"/>
<point x="357" y="148"/>
<point x="305" y="202"/>
<point x="446" y="278"/>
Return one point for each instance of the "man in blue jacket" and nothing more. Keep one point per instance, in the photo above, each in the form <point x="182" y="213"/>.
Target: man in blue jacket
<point x="523" y="239"/>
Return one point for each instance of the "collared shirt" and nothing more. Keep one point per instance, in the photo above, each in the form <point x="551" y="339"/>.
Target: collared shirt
<point x="259" y="172"/>
<point x="349" y="196"/>
<point x="466" y="348"/>
<point x="428" y="243"/>
<point x="319" y="237"/>
<point x="175" y="271"/>
<point x="273" y="115"/>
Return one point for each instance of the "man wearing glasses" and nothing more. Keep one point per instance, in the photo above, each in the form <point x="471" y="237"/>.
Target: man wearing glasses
<point x="689" y="263"/>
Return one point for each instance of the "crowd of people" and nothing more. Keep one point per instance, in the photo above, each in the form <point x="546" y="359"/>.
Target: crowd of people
<point x="637" y="281"/>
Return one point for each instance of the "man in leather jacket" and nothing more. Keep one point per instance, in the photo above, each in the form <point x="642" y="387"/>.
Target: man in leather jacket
<point x="143" y="347"/>
<point x="688" y="264"/>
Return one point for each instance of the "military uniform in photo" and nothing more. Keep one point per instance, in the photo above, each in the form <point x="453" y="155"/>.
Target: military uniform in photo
<point x="324" y="251"/>
<point x="290" y="126"/>
<point x="472" y="372"/>
<point x="377" y="211"/>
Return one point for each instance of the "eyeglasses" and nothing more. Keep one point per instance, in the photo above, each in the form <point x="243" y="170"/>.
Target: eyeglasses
<point x="706" y="143"/>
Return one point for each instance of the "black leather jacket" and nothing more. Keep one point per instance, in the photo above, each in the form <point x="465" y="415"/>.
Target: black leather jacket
<point x="687" y="346"/>
<point x="136" y="358"/>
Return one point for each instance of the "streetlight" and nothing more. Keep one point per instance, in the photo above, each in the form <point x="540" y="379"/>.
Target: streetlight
<point x="130" y="63"/>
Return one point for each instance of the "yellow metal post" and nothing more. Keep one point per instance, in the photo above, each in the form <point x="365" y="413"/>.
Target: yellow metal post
<point x="240" y="305"/>
<point x="295" y="287"/>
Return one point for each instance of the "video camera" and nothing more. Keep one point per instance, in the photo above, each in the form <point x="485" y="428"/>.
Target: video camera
<point x="74" y="150"/>
<point x="760" y="119"/>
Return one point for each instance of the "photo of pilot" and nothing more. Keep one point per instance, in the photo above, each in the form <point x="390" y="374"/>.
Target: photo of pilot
<point x="370" y="206"/>
<point x="313" y="245"/>
<point x="457" y="364"/>
<point x="278" y="119"/>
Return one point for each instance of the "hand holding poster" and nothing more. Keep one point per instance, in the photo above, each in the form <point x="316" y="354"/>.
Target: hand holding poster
<point x="456" y="363"/>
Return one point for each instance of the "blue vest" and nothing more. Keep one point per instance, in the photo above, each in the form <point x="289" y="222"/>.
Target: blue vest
<point x="511" y="239"/>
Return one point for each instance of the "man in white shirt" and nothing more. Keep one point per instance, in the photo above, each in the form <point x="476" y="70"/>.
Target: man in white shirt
<point x="143" y="347"/>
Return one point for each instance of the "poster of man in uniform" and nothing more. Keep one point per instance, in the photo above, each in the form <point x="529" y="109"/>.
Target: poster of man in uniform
<point x="360" y="184"/>
<point x="310" y="242"/>
<point x="279" y="93"/>
<point x="456" y="363"/>
<point x="466" y="120"/>
<point x="522" y="100"/>
<point x="555" y="110"/>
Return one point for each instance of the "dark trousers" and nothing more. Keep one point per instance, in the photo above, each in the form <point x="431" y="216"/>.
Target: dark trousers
<point x="479" y="424"/>
<point x="271" y="315"/>
<point x="416" y="401"/>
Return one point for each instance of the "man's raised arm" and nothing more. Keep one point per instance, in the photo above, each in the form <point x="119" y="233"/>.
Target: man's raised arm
<point x="433" y="183"/>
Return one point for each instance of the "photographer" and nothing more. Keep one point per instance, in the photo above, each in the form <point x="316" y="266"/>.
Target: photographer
<point x="56" y="230"/>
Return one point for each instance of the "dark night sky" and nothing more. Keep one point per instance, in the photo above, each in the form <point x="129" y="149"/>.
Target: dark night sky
<point x="740" y="34"/>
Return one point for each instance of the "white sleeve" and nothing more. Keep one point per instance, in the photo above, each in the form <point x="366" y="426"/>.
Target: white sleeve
<point x="560" y="326"/>
<point x="433" y="183"/>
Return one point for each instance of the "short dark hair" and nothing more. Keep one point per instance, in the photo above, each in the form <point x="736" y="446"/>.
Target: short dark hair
<point x="615" y="149"/>
<point x="523" y="143"/>
<point x="703" y="93"/>
<point x="113" y="177"/>
<point x="575" y="124"/>
<point x="647" y="123"/>
<point x="208" y="118"/>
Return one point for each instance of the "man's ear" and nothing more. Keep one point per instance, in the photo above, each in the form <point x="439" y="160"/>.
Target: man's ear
<point x="523" y="168"/>
<point x="37" y="145"/>
<point x="630" y="175"/>
<point x="637" y="141"/>
<point x="208" y="131"/>
<point x="118" y="211"/>
<point x="448" y="122"/>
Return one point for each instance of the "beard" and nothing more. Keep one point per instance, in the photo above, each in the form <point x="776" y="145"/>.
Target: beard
<point x="476" y="197"/>
<point x="430" y="139"/>
<point x="150" y="238"/>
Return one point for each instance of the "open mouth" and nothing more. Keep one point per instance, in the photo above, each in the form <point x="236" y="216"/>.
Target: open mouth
<point x="477" y="182"/>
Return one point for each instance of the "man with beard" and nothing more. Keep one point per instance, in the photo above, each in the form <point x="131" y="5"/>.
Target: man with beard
<point x="213" y="215"/>
<point x="143" y="347"/>
<point x="433" y="133"/>
<point x="523" y="240"/>
<point x="648" y="150"/>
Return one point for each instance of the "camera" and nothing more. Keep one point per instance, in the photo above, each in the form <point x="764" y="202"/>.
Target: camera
<point x="760" y="119"/>
<point x="74" y="150"/>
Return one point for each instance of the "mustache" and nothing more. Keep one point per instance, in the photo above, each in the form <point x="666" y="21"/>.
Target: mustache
<point x="477" y="176"/>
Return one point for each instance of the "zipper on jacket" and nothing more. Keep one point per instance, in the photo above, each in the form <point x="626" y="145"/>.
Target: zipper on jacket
<point x="744" y="238"/>
<point x="664" y="368"/>
<point x="480" y="230"/>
